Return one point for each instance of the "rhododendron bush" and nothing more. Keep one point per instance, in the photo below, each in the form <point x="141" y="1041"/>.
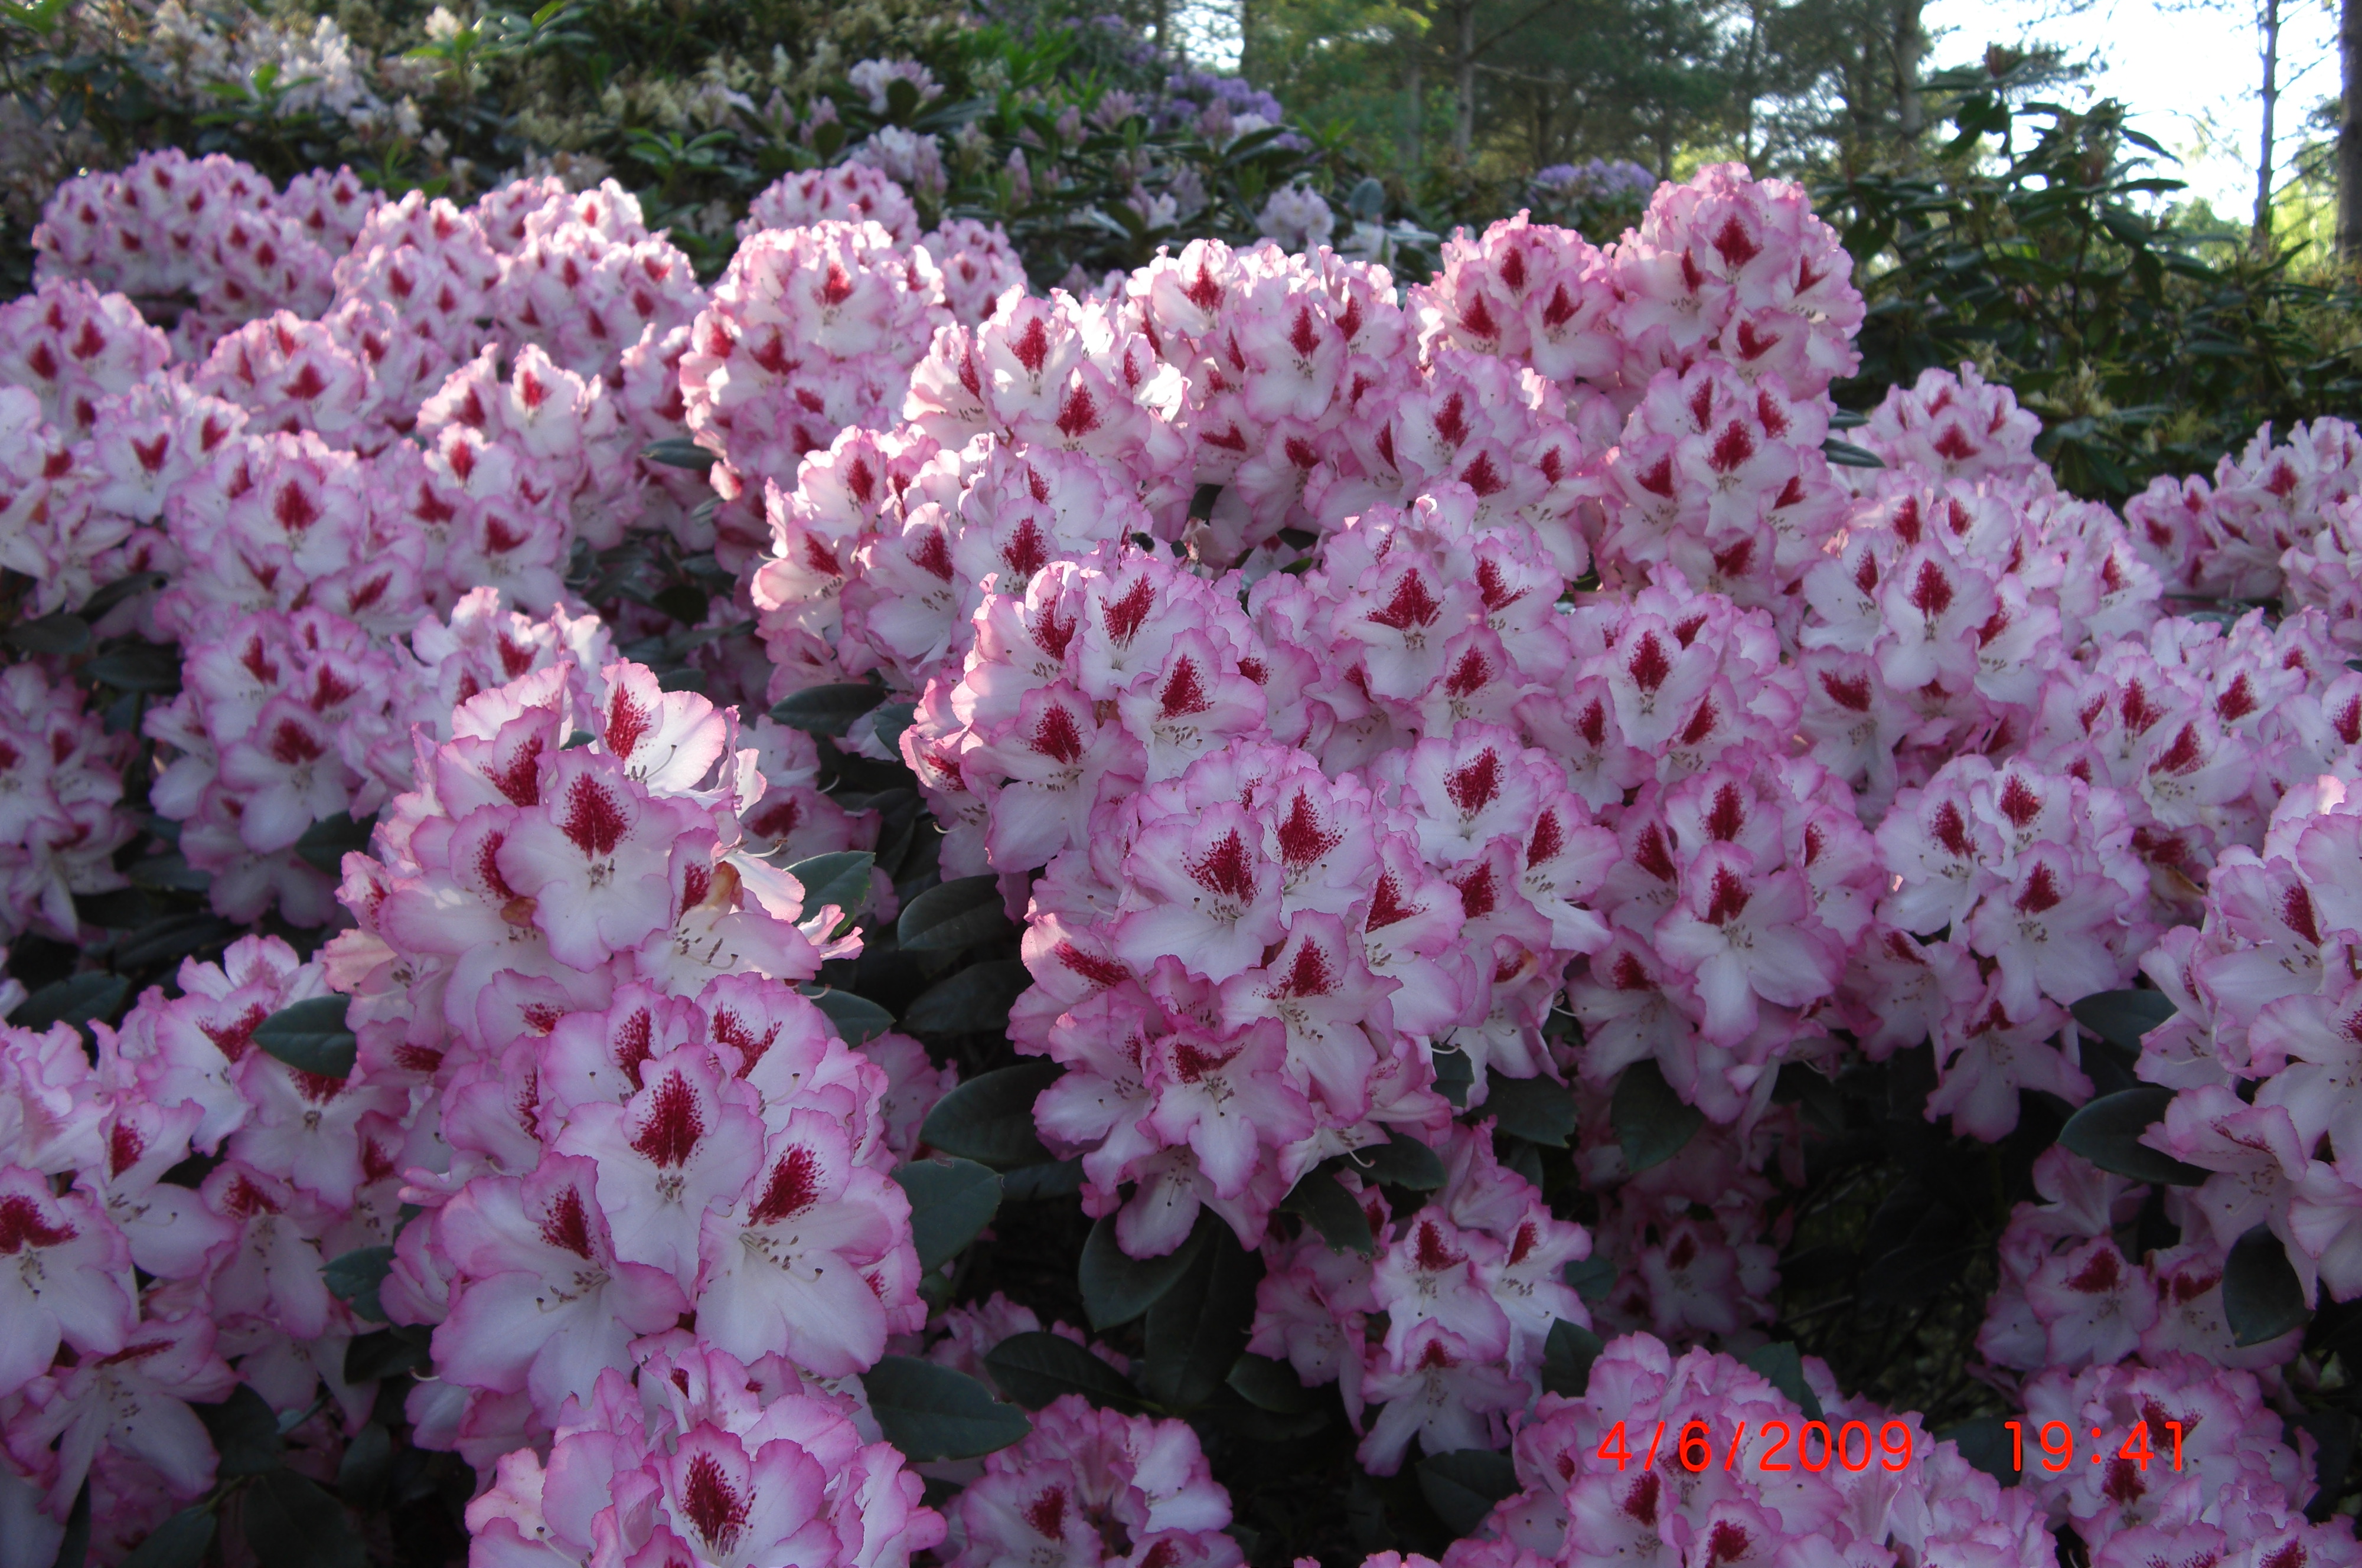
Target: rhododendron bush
<point x="1247" y="913"/>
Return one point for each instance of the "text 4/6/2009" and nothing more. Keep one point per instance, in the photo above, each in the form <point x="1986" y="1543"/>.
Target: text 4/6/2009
<point x="1815" y="1445"/>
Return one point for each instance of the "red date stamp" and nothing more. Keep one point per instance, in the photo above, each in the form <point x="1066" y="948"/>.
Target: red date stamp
<point x="2057" y="1442"/>
<point x="1815" y="1446"/>
<point x="1774" y="1445"/>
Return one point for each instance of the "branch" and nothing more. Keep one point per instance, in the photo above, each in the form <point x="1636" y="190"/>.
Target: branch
<point x="1522" y="75"/>
<point x="1513" y="26"/>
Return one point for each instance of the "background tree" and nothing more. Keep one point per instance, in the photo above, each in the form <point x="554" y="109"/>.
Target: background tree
<point x="2349" y="131"/>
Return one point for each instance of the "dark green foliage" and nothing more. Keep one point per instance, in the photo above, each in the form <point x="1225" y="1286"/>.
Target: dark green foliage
<point x="2036" y="241"/>
<point x="931" y="1412"/>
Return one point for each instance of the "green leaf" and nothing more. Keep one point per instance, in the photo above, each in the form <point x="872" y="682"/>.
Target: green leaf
<point x="685" y="602"/>
<point x="367" y="1465"/>
<point x="1781" y="1366"/>
<point x="245" y="1433"/>
<point x="827" y="709"/>
<point x="1985" y="1442"/>
<point x="326" y="842"/>
<point x="1263" y="1428"/>
<point x="1030" y="1184"/>
<point x="1650" y="1122"/>
<point x="1533" y="1108"/>
<point x="78" y="998"/>
<point x="292" y="1523"/>
<point x="136" y="666"/>
<point x="1454" y="1074"/>
<point x="933" y="1413"/>
<point x="679" y="452"/>
<point x="841" y="878"/>
<point x="168" y="873"/>
<point x="1567" y="1356"/>
<point x="122" y="589"/>
<point x="355" y="1278"/>
<point x="1592" y="1278"/>
<point x="117" y="908"/>
<point x="951" y="1200"/>
<point x="1403" y="1161"/>
<point x="990" y="1118"/>
<point x="2262" y="1297"/>
<point x="387" y="1352"/>
<point x="179" y="1542"/>
<point x="1117" y="1287"/>
<point x="1463" y="1485"/>
<point x="975" y="1001"/>
<point x="59" y="634"/>
<point x="169" y="940"/>
<point x="1198" y="1329"/>
<point x="2121" y="1018"/>
<point x="1033" y="1369"/>
<point x="1324" y="1203"/>
<point x="1272" y="1386"/>
<point x="2107" y="1132"/>
<point x="311" y="1037"/>
<point x="1845" y="453"/>
<point x="954" y="915"/>
<point x="889" y="720"/>
<point x="855" y="1019"/>
<point x="2333" y="1434"/>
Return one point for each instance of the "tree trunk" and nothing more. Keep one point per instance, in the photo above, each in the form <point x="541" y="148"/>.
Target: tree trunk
<point x="2349" y="132"/>
<point x="2260" y="235"/>
<point x="1463" y="79"/>
<point x="1910" y="46"/>
<point x="1752" y="81"/>
<point x="1415" y="116"/>
<point x="1162" y="19"/>
<point x="1250" y="58"/>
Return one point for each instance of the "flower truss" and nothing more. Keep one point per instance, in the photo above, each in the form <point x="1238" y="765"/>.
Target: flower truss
<point x="1441" y="783"/>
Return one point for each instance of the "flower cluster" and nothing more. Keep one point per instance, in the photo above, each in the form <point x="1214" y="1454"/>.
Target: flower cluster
<point x="61" y="776"/>
<point x="1724" y="269"/>
<point x="2071" y="1297"/>
<point x="207" y="239"/>
<point x="2236" y="1470"/>
<point x="1722" y="480"/>
<point x="708" y="1463"/>
<point x="2226" y="540"/>
<point x="1247" y="964"/>
<point x="70" y="346"/>
<point x="850" y="192"/>
<point x="1097" y="1489"/>
<point x="1694" y="1241"/>
<point x="639" y="1116"/>
<point x="1466" y="1289"/>
<point x="584" y="280"/>
<point x="811" y="331"/>
<point x="1405" y="723"/>
<point x="153" y="1286"/>
<point x="290" y="719"/>
<point x="2023" y="890"/>
<point x="2262" y="1046"/>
